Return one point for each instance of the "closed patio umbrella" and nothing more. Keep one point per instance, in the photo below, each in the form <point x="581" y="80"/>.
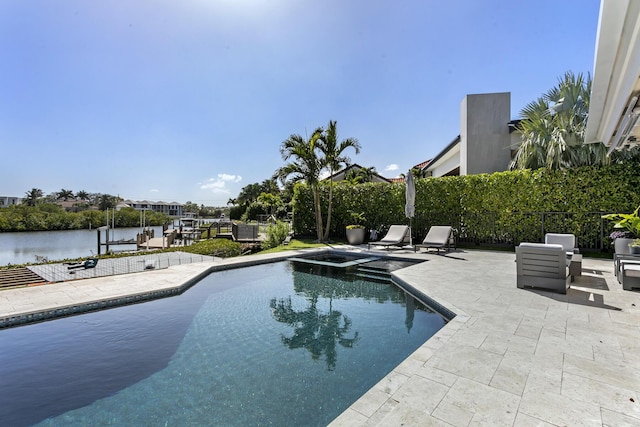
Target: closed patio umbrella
<point x="410" y="196"/>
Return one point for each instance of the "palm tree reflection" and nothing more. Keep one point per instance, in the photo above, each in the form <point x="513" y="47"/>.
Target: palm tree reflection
<point x="315" y="331"/>
<point x="320" y="332"/>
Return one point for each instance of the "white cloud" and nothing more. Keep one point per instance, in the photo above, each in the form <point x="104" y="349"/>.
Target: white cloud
<point x="392" y="167"/>
<point x="228" y="177"/>
<point x="219" y="185"/>
<point x="154" y="190"/>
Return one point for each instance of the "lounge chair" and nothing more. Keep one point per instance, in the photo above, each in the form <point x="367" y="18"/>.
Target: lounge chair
<point x="438" y="237"/>
<point x="398" y="235"/>
<point x="88" y="263"/>
<point x="543" y="266"/>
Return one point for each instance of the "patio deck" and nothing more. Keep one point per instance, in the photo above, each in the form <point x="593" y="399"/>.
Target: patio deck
<point x="510" y="357"/>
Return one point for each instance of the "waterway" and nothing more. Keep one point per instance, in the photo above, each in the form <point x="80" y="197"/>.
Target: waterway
<point x="20" y="248"/>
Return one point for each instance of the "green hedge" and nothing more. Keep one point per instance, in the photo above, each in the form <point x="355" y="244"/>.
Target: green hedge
<point x="503" y="207"/>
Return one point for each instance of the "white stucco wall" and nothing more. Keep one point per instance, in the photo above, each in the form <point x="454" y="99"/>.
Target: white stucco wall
<point x="448" y="162"/>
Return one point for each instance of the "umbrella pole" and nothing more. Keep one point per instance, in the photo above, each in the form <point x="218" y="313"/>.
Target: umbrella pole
<point x="410" y="233"/>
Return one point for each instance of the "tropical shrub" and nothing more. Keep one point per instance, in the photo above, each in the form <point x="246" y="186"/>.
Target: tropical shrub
<point x="629" y="223"/>
<point x="276" y="233"/>
<point x="214" y="247"/>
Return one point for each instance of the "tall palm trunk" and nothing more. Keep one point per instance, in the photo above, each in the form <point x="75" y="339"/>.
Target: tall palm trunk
<point x="333" y="158"/>
<point x="326" y="230"/>
<point x="318" y="209"/>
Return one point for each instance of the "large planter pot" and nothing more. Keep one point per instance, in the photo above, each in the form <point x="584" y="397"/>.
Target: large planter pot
<point x="621" y="245"/>
<point x="355" y="236"/>
<point x="635" y="250"/>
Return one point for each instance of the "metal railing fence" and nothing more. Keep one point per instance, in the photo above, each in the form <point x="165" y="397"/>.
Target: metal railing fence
<point x="512" y="228"/>
<point x="116" y="266"/>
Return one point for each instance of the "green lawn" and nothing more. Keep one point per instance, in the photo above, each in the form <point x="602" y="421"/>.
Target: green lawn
<point x="299" y="244"/>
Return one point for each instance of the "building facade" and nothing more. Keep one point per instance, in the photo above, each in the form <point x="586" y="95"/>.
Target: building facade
<point x="614" y="109"/>
<point x="6" y="201"/>
<point x="171" y="209"/>
<point x="487" y="139"/>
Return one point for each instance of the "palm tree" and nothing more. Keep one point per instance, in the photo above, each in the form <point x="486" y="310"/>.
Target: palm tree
<point x="361" y="175"/>
<point x="65" y="195"/>
<point x="32" y="196"/>
<point x="333" y="158"/>
<point x="553" y="128"/>
<point x="82" y="195"/>
<point x="270" y="202"/>
<point x="418" y="173"/>
<point x="106" y="201"/>
<point x="305" y="166"/>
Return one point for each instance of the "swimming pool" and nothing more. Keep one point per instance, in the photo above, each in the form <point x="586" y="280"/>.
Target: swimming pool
<point x="274" y="344"/>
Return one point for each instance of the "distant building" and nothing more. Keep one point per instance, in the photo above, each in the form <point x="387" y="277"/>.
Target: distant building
<point x="74" y="205"/>
<point x="487" y="141"/>
<point x="6" y="201"/>
<point x="172" y="208"/>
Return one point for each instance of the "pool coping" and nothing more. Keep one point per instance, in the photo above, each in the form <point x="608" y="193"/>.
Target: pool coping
<point x="65" y="310"/>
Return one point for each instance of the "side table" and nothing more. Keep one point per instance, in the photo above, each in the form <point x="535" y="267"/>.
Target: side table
<point x="575" y="266"/>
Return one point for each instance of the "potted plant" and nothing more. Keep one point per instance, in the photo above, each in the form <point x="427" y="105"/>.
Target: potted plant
<point x="634" y="246"/>
<point x="627" y="228"/>
<point x="355" y="231"/>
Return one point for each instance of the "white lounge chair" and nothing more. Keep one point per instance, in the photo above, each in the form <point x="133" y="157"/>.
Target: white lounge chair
<point x="438" y="237"/>
<point x="543" y="266"/>
<point x="398" y="235"/>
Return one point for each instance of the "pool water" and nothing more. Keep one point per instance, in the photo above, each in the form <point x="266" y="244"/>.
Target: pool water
<point x="273" y="344"/>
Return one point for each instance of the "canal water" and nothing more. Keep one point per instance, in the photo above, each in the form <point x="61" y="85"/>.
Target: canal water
<point x="21" y="248"/>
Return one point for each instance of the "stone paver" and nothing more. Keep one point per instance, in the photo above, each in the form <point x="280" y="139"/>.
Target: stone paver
<point x="518" y="357"/>
<point x="515" y="357"/>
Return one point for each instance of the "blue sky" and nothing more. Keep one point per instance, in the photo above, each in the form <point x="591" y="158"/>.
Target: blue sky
<point x="190" y="100"/>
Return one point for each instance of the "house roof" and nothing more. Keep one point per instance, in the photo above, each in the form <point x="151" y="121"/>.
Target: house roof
<point x="341" y="174"/>
<point x="147" y="202"/>
<point x="514" y="125"/>
<point x="421" y="165"/>
<point x="441" y="154"/>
